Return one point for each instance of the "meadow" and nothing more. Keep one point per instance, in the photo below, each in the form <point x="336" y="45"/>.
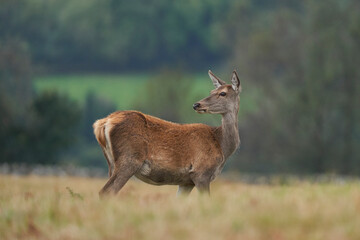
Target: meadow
<point x="120" y="89"/>
<point x="35" y="207"/>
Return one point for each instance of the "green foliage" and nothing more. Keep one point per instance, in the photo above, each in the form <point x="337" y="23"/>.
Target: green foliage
<point x="47" y="128"/>
<point x="55" y="122"/>
<point x="15" y="79"/>
<point x="15" y="97"/>
<point x="306" y="62"/>
<point x="104" y="35"/>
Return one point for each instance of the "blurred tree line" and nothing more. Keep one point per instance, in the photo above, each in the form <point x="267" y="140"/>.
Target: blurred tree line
<point x="305" y="57"/>
<point x="302" y="56"/>
<point x="72" y="35"/>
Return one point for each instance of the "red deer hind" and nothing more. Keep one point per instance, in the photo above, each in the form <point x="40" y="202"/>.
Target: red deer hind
<point x="160" y="152"/>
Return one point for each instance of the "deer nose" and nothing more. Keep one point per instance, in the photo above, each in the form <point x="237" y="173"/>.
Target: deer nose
<point x="196" y="105"/>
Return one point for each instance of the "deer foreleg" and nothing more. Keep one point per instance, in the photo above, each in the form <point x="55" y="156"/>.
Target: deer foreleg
<point x="203" y="187"/>
<point x="184" y="190"/>
<point x="202" y="181"/>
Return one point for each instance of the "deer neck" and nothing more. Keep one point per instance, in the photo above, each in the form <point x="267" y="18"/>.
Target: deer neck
<point x="230" y="139"/>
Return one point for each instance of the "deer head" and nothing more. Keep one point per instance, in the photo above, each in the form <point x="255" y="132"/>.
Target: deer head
<point x="223" y="99"/>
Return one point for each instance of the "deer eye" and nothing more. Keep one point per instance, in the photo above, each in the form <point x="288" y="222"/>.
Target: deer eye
<point x="222" y="94"/>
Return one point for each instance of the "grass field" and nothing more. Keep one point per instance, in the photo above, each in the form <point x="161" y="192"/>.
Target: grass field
<point x="69" y="208"/>
<point x="121" y="89"/>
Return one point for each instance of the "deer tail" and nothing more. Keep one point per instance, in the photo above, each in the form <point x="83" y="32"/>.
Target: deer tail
<point x="99" y="131"/>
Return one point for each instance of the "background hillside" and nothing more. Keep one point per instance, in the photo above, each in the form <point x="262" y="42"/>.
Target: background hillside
<point x="65" y="63"/>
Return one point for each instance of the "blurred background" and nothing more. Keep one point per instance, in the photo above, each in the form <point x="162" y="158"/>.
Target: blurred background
<point x="66" y="63"/>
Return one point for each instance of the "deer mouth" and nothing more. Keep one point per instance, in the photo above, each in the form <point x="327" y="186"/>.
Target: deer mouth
<point x="201" y="110"/>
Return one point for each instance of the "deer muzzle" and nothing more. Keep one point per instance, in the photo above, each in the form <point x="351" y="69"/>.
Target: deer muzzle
<point x="197" y="107"/>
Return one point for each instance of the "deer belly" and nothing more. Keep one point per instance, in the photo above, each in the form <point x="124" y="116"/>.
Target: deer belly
<point x="159" y="175"/>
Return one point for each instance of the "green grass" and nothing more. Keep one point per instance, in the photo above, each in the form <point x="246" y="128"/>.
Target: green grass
<point x="69" y="208"/>
<point x="120" y="89"/>
<point x="125" y="89"/>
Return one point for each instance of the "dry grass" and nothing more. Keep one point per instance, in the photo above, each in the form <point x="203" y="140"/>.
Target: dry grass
<point x="69" y="208"/>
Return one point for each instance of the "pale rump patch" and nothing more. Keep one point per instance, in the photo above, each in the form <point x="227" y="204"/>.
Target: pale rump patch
<point x="108" y="148"/>
<point x="99" y="132"/>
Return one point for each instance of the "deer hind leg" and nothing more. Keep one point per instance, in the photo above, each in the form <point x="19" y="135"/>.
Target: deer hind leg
<point x="124" y="170"/>
<point x="184" y="190"/>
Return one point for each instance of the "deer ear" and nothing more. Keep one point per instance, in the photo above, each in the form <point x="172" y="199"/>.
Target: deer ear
<point x="216" y="81"/>
<point x="235" y="82"/>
